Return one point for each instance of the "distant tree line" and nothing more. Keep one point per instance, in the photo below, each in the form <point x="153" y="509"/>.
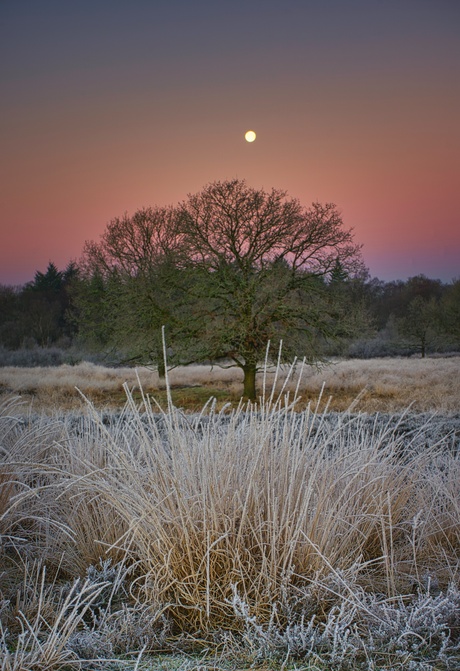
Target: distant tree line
<point x="419" y="315"/>
<point x="40" y="313"/>
<point x="224" y="272"/>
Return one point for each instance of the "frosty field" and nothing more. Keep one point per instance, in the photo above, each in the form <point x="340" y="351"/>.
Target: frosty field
<point x="287" y="535"/>
<point x="385" y="385"/>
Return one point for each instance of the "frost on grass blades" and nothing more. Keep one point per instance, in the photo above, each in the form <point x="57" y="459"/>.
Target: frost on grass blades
<point x="329" y="539"/>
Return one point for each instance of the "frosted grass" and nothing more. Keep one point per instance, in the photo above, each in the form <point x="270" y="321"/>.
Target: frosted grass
<point x="306" y="535"/>
<point x="385" y="385"/>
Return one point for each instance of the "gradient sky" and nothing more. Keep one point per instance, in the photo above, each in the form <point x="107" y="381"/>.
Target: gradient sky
<point x="111" y="105"/>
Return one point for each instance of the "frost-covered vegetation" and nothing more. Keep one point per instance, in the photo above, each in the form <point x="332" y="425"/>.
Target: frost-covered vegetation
<point x="384" y="385"/>
<point x="326" y="540"/>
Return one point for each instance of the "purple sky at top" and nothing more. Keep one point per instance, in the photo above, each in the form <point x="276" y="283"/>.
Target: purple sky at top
<point x="109" y="106"/>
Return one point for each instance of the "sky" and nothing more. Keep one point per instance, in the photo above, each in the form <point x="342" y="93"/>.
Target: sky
<point x="108" y="106"/>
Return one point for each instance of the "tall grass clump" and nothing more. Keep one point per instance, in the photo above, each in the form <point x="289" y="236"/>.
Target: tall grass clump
<point x="268" y="499"/>
<point x="328" y="536"/>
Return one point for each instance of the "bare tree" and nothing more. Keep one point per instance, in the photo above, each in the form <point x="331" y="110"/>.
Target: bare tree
<point x="420" y="326"/>
<point x="262" y="263"/>
<point x="132" y="273"/>
<point x="134" y="244"/>
<point x="228" y="270"/>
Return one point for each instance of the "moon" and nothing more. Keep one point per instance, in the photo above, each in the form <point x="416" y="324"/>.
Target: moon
<point x="250" y="136"/>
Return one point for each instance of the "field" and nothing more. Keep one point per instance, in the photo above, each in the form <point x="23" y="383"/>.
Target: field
<point x="384" y="385"/>
<point x="305" y="532"/>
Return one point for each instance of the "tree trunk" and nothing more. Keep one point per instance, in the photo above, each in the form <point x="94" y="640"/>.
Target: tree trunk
<point x="249" y="382"/>
<point x="161" y="369"/>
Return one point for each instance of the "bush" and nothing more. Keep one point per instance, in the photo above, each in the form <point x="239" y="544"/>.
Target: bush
<point x="31" y="357"/>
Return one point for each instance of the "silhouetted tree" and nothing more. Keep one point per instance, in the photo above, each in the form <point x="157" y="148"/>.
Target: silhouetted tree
<point x="11" y="317"/>
<point x="49" y="283"/>
<point x="353" y="298"/>
<point x="46" y="302"/>
<point x="420" y="323"/>
<point x="228" y="270"/>
<point x="450" y="313"/>
<point x="130" y="286"/>
<point x="261" y="263"/>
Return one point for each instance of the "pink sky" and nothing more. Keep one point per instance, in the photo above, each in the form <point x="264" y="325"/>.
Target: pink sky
<point x="109" y="112"/>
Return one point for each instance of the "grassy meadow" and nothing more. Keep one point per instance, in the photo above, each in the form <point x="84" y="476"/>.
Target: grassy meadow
<point x="383" y="385"/>
<point x="145" y="527"/>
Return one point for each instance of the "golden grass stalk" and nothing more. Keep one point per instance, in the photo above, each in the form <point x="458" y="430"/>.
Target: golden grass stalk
<point x="263" y="498"/>
<point x="42" y="641"/>
<point x="263" y="493"/>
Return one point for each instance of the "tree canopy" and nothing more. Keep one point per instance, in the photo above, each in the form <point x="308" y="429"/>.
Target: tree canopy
<point x="226" y="271"/>
<point x="261" y="262"/>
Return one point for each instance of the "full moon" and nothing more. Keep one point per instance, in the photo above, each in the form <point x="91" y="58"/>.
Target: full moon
<point x="250" y="136"/>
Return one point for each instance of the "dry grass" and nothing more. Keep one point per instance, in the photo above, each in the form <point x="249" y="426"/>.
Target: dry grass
<point x="313" y="534"/>
<point x="385" y="385"/>
<point x="45" y="622"/>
